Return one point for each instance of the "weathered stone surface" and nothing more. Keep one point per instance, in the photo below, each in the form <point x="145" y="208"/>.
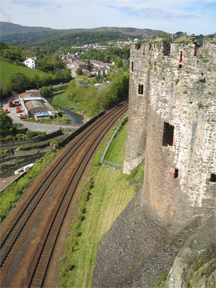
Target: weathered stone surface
<point x="179" y="89"/>
<point x="139" y="247"/>
<point x="195" y="264"/>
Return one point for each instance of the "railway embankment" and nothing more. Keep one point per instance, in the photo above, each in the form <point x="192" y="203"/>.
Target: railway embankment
<point x="105" y="194"/>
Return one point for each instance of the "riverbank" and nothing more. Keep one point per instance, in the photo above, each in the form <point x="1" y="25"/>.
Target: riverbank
<point x="61" y="101"/>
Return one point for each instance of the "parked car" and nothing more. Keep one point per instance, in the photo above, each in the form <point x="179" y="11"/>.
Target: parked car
<point x="6" y="110"/>
<point x="18" y="109"/>
<point x="23" y="117"/>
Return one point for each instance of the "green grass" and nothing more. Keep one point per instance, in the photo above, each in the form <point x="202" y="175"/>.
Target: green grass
<point x="8" y="69"/>
<point x="10" y="195"/>
<point x="63" y="101"/>
<point x="116" y="150"/>
<point x="109" y="195"/>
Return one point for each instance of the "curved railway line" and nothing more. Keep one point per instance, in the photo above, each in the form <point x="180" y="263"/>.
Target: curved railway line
<point x="56" y="191"/>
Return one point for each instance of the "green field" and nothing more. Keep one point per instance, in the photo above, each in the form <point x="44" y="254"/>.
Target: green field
<point x="64" y="102"/>
<point x="6" y="69"/>
<point x="109" y="196"/>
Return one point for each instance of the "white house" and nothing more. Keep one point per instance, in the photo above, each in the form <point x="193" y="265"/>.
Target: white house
<point x="31" y="62"/>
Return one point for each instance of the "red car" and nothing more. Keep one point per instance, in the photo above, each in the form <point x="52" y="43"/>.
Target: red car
<point x="23" y="117"/>
<point x="6" y="110"/>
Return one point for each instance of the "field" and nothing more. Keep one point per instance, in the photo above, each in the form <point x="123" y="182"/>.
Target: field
<point x="109" y="196"/>
<point x="7" y="69"/>
<point x="64" y="102"/>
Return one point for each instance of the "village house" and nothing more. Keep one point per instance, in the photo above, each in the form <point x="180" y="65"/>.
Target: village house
<point x="31" y="62"/>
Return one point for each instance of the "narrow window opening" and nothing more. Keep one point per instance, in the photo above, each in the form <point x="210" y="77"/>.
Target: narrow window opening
<point x="166" y="48"/>
<point x="180" y="65"/>
<point x="132" y="66"/>
<point x="176" y="174"/>
<point x="168" y="134"/>
<point x="180" y="60"/>
<point x="195" y="49"/>
<point x="140" y="89"/>
<point x="137" y="46"/>
<point x="213" y="178"/>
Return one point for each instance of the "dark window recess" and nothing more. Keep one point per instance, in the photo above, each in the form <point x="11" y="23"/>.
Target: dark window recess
<point x="180" y="60"/>
<point x="176" y="174"/>
<point x="195" y="49"/>
<point x="213" y="178"/>
<point x="180" y="65"/>
<point x="132" y="66"/>
<point x="137" y="46"/>
<point x="140" y="89"/>
<point x="166" y="48"/>
<point x="168" y="134"/>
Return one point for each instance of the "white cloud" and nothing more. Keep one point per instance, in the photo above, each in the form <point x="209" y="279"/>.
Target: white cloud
<point x="191" y="16"/>
<point x="4" y="17"/>
<point x="31" y="3"/>
<point x="150" y="12"/>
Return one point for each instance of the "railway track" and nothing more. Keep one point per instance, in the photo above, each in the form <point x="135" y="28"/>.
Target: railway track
<point x="83" y="145"/>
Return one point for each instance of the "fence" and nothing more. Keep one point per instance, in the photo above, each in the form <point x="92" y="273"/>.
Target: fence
<point x="108" y="163"/>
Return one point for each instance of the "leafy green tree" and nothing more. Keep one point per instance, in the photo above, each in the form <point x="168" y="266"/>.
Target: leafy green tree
<point x="19" y="82"/>
<point x="5" y="121"/>
<point x="82" y="82"/>
<point x="164" y="35"/>
<point x="119" y="63"/>
<point x="89" y="66"/>
<point x="79" y="71"/>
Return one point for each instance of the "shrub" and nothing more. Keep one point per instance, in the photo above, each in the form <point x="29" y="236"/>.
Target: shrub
<point x="31" y="133"/>
<point x="19" y="137"/>
<point x="8" y="138"/>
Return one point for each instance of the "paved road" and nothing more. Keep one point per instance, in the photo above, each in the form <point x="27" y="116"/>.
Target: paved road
<point x="48" y="128"/>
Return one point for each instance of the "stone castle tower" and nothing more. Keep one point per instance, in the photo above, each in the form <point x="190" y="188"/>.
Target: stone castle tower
<point x="172" y="121"/>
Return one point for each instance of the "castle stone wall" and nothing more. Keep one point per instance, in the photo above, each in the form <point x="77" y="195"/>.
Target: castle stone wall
<point x="179" y="89"/>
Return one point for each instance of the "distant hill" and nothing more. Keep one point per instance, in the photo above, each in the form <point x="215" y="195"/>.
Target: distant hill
<point x="19" y="34"/>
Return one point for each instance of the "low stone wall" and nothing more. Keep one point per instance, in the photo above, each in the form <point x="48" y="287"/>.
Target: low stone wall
<point x="79" y="130"/>
<point x="139" y="247"/>
<point x="34" y="140"/>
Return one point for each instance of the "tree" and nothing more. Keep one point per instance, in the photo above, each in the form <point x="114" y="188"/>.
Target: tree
<point x="19" y="82"/>
<point x="5" y="121"/>
<point x="89" y="66"/>
<point x="79" y="71"/>
<point x="119" y="63"/>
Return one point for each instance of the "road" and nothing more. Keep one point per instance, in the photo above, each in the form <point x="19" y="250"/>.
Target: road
<point x="48" y="128"/>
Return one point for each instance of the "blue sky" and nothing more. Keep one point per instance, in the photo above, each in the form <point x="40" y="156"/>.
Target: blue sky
<point x="198" y="17"/>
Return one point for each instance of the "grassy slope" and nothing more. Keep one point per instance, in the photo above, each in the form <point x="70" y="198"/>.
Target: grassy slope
<point x="115" y="153"/>
<point x="63" y="101"/>
<point x="6" y="69"/>
<point x="110" y="195"/>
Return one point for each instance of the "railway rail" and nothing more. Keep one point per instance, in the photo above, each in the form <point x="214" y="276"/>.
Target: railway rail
<point x="83" y="145"/>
